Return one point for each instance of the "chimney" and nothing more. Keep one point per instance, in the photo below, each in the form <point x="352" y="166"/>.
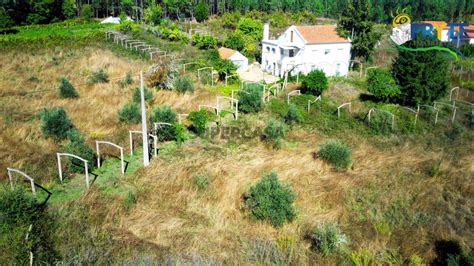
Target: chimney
<point x="266" y="31"/>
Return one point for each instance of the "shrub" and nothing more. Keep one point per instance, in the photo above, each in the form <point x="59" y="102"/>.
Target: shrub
<point x="314" y="83"/>
<point x="86" y="12"/>
<point x="250" y="99"/>
<point x="17" y="207"/>
<point x="202" y="11"/>
<point x="293" y="115"/>
<point x="273" y="132"/>
<point x="127" y="80"/>
<point x="181" y="134"/>
<point x="66" y="90"/>
<point x="99" y="76"/>
<point x="184" y="84"/>
<point x="130" y="113"/>
<point x="382" y="85"/>
<point x="77" y="145"/>
<point x="204" y="41"/>
<point x="137" y="95"/>
<point x="55" y="123"/>
<point x="337" y="153"/>
<point x="199" y="121"/>
<point x="200" y="181"/>
<point x="327" y="238"/>
<point x="167" y="115"/>
<point x="270" y="200"/>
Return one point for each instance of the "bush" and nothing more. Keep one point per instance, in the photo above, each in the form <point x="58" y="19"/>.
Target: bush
<point x="202" y="11"/>
<point x="269" y="200"/>
<point x="293" y="115"/>
<point x="99" y="76"/>
<point x="77" y="145"/>
<point x="327" y="238"/>
<point x="204" y="41"/>
<point x="200" y="181"/>
<point x="86" y="12"/>
<point x="314" y="83"/>
<point x="382" y="85"/>
<point x="66" y="90"/>
<point x="17" y="207"/>
<point x="273" y="132"/>
<point x="337" y="153"/>
<point x="199" y="121"/>
<point x="184" y="84"/>
<point x="55" y="123"/>
<point x="167" y="115"/>
<point x="127" y="80"/>
<point x="181" y="134"/>
<point x="137" y="95"/>
<point x="250" y="99"/>
<point x="130" y="113"/>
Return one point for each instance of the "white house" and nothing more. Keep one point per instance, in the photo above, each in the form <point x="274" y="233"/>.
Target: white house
<point x="304" y="48"/>
<point x="237" y="58"/>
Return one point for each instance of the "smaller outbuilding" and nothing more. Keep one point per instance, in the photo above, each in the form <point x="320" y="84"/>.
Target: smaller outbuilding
<point x="237" y="58"/>
<point x="113" y="20"/>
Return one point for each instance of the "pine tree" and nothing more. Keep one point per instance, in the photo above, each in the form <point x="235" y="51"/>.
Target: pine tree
<point x="202" y="12"/>
<point x="355" y="24"/>
<point x="66" y="90"/>
<point x="422" y="75"/>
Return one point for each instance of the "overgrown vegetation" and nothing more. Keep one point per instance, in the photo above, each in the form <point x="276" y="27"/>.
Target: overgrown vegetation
<point x="77" y="145"/>
<point x="147" y="94"/>
<point x="99" y="76"/>
<point x="271" y="201"/>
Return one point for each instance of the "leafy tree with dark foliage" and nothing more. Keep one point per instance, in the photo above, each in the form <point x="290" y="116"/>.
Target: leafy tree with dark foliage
<point x="314" y="83"/>
<point x="355" y="23"/>
<point x="422" y="76"/>
<point x="202" y="12"/>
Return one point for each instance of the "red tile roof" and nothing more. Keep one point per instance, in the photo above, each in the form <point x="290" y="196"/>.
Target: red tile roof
<point x="320" y="34"/>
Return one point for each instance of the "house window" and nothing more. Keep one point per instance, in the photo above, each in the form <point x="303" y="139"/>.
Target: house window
<point x="291" y="38"/>
<point x="327" y="51"/>
<point x="291" y="53"/>
<point x="268" y="48"/>
<point x="273" y="50"/>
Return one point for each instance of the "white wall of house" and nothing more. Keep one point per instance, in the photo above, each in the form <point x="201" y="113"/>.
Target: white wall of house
<point x="287" y="53"/>
<point x="240" y="61"/>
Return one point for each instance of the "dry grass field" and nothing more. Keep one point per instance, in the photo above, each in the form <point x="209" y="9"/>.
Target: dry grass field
<point x="400" y="196"/>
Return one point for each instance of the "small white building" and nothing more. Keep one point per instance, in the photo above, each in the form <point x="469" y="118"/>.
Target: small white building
<point x="304" y="48"/>
<point x="113" y="20"/>
<point x="237" y="58"/>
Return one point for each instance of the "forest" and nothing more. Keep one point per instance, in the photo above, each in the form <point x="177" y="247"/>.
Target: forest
<point x="21" y="12"/>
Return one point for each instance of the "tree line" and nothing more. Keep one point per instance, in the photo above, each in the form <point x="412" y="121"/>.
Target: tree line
<point x="21" y="12"/>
